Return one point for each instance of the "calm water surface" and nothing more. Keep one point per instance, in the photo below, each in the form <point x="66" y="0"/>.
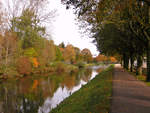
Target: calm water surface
<point x="42" y="93"/>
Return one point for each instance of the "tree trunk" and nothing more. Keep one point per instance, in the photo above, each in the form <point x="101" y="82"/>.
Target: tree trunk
<point x="131" y="62"/>
<point x="139" y="65"/>
<point x="121" y="62"/>
<point x="6" y="56"/>
<point x="147" y="21"/>
<point x="148" y="62"/>
<point x="125" y="61"/>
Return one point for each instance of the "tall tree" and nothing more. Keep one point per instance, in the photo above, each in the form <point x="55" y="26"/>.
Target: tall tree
<point x="131" y="13"/>
<point x="27" y="28"/>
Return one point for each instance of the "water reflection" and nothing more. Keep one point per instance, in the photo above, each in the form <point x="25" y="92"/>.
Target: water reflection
<point x="41" y="94"/>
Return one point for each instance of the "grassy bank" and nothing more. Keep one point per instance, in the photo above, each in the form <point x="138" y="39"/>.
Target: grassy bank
<point x="143" y="79"/>
<point x="91" y="98"/>
<point x="140" y="77"/>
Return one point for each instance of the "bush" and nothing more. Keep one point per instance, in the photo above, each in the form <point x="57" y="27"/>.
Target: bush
<point x="24" y="66"/>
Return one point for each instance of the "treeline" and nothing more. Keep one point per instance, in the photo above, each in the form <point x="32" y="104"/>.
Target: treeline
<point x="25" y="45"/>
<point x="120" y="28"/>
<point x="104" y="59"/>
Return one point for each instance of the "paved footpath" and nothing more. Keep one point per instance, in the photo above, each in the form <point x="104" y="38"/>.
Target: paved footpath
<point x="129" y="94"/>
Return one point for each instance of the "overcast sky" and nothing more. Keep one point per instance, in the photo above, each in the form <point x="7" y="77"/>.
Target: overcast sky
<point x="65" y="29"/>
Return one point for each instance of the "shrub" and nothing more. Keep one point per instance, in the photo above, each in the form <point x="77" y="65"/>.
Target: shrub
<point x="24" y="66"/>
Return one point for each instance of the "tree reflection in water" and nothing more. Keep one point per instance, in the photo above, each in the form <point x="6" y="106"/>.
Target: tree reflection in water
<point x="41" y="94"/>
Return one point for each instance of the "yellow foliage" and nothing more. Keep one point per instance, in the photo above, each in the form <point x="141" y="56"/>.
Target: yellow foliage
<point x="101" y="58"/>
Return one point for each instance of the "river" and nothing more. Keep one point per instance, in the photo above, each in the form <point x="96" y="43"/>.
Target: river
<point x="39" y="94"/>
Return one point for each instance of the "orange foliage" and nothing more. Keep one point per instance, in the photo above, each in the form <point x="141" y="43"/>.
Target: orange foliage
<point x="100" y="58"/>
<point x="113" y="59"/>
<point x="35" y="84"/>
<point x="35" y="62"/>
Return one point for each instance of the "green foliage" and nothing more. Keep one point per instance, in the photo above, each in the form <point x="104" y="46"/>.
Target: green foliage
<point x="27" y="28"/>
<point x="48" y="53"/>
<point x="92" y="98"/>
<point x="118" y="27"/>
<point x="59" y="56"/>
<point x="30" y="52"/>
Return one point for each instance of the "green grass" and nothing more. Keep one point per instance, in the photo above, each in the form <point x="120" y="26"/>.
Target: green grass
<point x="91" y="98"/>
<point x="148" y="83"/>
<point x="143" y="79"/>
<point x="140" y="77"/>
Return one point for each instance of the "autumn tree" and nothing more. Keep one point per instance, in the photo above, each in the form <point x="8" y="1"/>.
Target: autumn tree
<point x="48" y="52"/>
<point x="101" y="58"/>
<point x="69" y="54"/>
<point x="24" y="66"/>
<point x="87" y="56"/>
<point x="26" y="18"/>
<point x="78" y="57"/>
<point x="15" y="8"/>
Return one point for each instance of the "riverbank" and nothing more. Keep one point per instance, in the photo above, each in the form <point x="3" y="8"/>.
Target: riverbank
<point x="91" y="98"/>
<point x="51" y="69"/>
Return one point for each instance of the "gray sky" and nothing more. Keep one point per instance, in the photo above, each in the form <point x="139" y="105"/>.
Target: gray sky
<point x="66" y="30"/>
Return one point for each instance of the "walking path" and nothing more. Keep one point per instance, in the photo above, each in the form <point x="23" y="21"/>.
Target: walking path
<point x="129" y="94"/>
